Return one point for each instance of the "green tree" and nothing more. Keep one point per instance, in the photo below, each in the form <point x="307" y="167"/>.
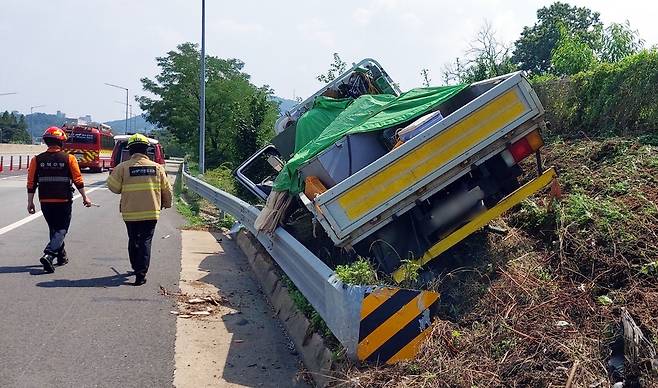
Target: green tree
<point x="14" y="130"/>
<point x="534" y="49"/>
<point x="336" y="68"/>
<point x="252" y="134"/>
<point x="21" y="135"/>
<point x="619" y="41"/>
<point x="229" y="94"/>
<point x="571" y="55"/>
<point x="425" y="75"/>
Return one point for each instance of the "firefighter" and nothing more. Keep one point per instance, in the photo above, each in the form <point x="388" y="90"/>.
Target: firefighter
<point x="144" y="190"/>
<point x="52" y="173"/>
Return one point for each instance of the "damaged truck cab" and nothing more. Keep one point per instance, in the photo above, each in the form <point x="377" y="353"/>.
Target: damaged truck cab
<point x="409" y="191"/>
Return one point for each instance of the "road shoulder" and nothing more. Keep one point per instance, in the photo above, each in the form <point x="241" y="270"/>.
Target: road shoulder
<point x="238" y="342"/>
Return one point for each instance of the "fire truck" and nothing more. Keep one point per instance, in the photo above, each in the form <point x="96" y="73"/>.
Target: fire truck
<point x="90" y="143"/>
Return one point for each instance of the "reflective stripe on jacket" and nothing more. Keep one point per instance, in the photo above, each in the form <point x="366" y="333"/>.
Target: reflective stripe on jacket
<point x="52" y="172"/>
<point x="143" y="186"/>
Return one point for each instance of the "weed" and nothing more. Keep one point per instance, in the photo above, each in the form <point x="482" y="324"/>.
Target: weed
<point x="543" y="274"/>
<point x="650" y="269"/>
<point x="222" y="178"/>
<point x="190" y="212"/>
<point x="413" y="368"/>
<point x="619" y="188"/>
<point x="411" y="271"/>
<point x="317" y="323"/>
<point x="582" y="209"/>
<point x="498" y="349"/>
<point x="531" y="216"/>
<point x="359" y="272"/>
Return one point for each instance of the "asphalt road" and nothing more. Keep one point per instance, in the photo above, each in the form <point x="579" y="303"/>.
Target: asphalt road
<point x="84" y="326"/>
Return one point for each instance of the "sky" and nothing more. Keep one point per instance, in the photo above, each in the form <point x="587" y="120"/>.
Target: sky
<point x="60" y="53"/>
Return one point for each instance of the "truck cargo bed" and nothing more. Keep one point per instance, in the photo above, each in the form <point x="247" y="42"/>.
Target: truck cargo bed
<point x="478" y="123"/>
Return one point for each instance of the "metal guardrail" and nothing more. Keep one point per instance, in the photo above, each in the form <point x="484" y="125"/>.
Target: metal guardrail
<point x="356" y="315"/>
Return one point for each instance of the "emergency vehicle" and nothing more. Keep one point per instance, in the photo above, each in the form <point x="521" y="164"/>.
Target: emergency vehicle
<point x="90" y="143"/>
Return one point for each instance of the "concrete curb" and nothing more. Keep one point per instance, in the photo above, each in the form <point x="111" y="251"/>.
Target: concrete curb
<point x="316" y="356"/>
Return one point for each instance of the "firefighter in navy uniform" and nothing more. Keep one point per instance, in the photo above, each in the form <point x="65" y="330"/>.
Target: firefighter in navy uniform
<point x="52" y="172"/>
<point x="144" y="190"/>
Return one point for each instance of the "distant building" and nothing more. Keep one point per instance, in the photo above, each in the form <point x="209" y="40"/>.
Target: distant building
<point x="60" y="114"/>
<point x="86" y="118"/>
<point x="16" y="113"/>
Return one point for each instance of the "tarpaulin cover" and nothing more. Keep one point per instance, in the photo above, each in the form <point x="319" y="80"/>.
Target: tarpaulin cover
<point x="312" y="123"/>
<point x="366" y="113"/>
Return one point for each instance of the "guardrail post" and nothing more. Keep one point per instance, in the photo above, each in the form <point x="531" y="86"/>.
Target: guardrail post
<point x="20" y="162"/>
<point x="27" y="163"/>
<point x="2" y="163"/>
<point x="11" y="163"/>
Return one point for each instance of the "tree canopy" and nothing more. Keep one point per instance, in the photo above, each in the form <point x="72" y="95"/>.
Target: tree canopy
<point x="336" y="68"/>
<point x="239" y="115"/>
<point x="13" y="129"/>
<point x="534" y="48"/>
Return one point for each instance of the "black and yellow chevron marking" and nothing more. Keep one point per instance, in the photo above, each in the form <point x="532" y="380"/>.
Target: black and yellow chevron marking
<point x="394" y="323"/>
<point x="87" y="156"/>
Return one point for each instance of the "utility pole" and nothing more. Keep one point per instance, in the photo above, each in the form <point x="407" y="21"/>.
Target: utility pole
<point x="126" y="89"/>
<point x="29" y="121"/>
<point x="202" y="93"/>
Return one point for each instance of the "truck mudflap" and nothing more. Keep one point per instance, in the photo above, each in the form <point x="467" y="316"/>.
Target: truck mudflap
<point x="547" y="177"/>
<point x="394" y="323"/>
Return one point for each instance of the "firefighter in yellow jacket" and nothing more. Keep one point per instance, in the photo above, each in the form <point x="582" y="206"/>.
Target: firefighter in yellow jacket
<point x="144" y="190"/>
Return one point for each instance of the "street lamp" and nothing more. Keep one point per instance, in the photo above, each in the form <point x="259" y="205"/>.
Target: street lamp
<point x="32" y="108"/>
<point x="29" y="120"/>
<point x="126" y="89"/>
<point x="131" y="113"/>
<point x="202" y="94"/>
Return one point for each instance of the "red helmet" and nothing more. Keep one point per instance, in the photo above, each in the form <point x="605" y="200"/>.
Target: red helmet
<point x="55" y="133"/>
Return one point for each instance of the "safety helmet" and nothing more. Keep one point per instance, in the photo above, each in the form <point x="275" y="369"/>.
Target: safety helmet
<point x="55" y="133"/>
<point x="136" y="139"/>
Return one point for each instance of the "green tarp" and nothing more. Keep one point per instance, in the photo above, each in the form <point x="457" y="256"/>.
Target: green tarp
<point x="366" y="113"/>
<point x="312" y="123"/>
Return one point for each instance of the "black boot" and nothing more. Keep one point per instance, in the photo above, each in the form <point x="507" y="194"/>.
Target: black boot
<point x="139" y="279"/>
<point x="62" y="258"/>
<point x="47" y="261"/>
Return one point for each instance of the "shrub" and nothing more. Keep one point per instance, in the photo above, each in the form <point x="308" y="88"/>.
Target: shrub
<point x="608" y="99"/>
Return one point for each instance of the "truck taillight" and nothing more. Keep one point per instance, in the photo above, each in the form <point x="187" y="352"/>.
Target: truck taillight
<point x="523" y="148"/>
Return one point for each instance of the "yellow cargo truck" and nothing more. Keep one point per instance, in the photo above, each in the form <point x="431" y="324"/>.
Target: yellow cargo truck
<point x="409" y="186"/>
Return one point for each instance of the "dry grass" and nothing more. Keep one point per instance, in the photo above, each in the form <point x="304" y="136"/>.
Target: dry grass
<point x="526" y="309"/>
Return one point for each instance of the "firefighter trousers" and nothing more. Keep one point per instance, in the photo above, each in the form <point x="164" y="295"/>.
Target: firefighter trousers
<point x="58" y="217"/>
<point x="140" y="235"/>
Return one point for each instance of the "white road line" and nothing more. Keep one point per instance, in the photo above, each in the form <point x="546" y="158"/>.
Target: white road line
<point x="36" y="215"/>
<point x="13" y="176"/>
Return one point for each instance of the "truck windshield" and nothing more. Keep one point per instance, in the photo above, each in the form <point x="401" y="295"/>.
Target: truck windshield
<point x="82" y="138"/>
